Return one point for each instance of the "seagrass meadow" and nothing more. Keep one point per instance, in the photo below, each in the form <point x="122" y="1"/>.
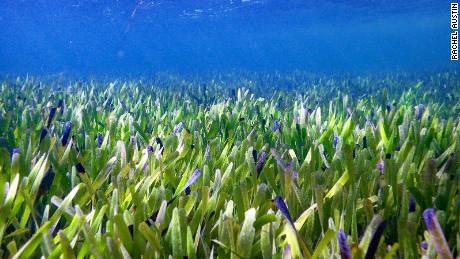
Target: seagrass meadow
<point x="236" y="165"/>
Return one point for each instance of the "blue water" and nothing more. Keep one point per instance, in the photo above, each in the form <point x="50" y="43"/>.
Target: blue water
<point x="108" y="37"/>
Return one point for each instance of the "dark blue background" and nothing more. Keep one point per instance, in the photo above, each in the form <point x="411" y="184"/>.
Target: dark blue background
<point x="97" y="37"/>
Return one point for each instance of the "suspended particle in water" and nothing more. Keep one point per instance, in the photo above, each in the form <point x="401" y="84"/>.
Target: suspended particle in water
<point x="120" y="54"/>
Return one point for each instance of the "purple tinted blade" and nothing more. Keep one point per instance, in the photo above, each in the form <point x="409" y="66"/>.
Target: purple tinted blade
<point x="254" y="155"/>
<point x="345" y="251"/>
<point x="65" y="135"/>
<point x="295" y="174"/>
<point x="261" y="162"/>
<point x="99" y="139"/>
<point x="15" y="151"/>
<point x="436" y="233"/>
<point x="412" y="204"/>
<point x="133" y="140"/>
<point x="46" y="183"/>
<point x="424" y="244"/>
<point x="80" y="168"/>
<point x="380" y="166"/>
<point x="336" y="141"/>
<point x="43" y="134"/>
<point x="364" y="142"/>
<point x="373" y="245"/>
<point x="192" y="179"/>
<point x="279" y="202"/>
<point x="160" y="143"/>
<point x="276" y="126"/>
<point x="150" y="148"/>
<point x="61" y="106"/>
<point x="177" y="128"/>
<point x="287" y="252"/>
<point x="429" y="218"/>
<point x="51" y="117"/>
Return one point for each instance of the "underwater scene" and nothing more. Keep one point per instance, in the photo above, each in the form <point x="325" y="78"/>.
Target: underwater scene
<point x="229" y="129"/>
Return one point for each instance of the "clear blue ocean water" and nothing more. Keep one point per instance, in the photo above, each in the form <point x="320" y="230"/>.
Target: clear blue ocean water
<point x="139" y="37"/>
